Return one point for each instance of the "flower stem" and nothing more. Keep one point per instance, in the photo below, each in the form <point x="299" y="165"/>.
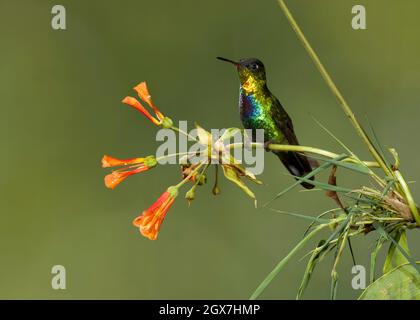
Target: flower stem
<point x="184" y="133"/>
<point x="298" y="148"/>
<point x="216" y="189"/>
<point x="344" y="105"/>
<point x="341" y="244"/>
<point x="200" y="175"/>
<point x="174" y="155"/>
<point x="401" y="186"/>
<point x="411" y="204"/>
<point x="187" y="178"/>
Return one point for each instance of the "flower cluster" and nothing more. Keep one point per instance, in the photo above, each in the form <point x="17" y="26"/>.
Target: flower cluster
<point x="150" y="220"/>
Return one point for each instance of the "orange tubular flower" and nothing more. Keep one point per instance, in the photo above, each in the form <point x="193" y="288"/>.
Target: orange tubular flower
<point x="133" y="165"/>
<point x="150" y="220"/>
<point x="133" y="102"/>
<point x="143" y="93"/>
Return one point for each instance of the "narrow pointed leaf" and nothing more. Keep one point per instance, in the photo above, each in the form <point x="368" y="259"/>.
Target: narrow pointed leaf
<point x="232" y="175"/>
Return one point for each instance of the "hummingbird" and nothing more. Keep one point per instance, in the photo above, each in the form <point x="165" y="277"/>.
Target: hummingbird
<point x="260" y="109"/>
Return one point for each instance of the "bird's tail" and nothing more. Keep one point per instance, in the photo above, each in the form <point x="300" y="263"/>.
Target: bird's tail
<point x="298" y="165"/>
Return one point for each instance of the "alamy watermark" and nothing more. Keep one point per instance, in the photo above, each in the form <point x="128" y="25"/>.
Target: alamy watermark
<point x="358" y="282"/>
<point x="58" y="21"/>
<point x="358" y="22"/>
<point x="217" y="146"/>
<point x="58" y="281"/>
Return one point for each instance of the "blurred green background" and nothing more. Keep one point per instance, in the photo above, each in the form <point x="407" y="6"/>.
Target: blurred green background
<point x="61" y="111"/>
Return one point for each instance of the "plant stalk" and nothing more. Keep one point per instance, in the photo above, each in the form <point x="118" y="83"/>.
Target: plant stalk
<point x="344" y="105"/>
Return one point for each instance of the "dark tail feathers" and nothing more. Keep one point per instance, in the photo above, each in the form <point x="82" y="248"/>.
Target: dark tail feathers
<point x="298" y="165"/>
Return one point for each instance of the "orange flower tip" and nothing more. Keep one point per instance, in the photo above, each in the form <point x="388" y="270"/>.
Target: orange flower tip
<point x="137" y="221"/>
<point x="107" y="161"/>
<point x="149" y="235"/>
<point x="143" y="93"/>
<point x="141" y="88"/>
<point x="148" y="231"/>
<point x="151" y="219"/>
<point x="133" y="102"/>
<point x="113" y="179"/>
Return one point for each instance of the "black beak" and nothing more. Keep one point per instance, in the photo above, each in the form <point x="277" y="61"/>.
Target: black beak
<point x="227" y="60"/>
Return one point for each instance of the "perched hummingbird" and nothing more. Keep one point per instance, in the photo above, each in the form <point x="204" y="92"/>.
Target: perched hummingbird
<point x="260" y="109"/>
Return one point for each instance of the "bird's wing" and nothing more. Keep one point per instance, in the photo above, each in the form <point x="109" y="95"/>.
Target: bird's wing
<point x="283" y="121"/>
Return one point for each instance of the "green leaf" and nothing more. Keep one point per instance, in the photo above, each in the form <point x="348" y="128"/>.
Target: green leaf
<point x="401" y="283"/>
<point x="309" y="270"/>
<point x="325" y="186"/>
<point x="321" y="168"/>
<point x="232" y="174"/>
<point x="381" y="240"/>
<point x="377" y="144"/>
<point x="245" y="172"/>
<point x="385" y="234"/>
<point x="394" y="257"/>
<point x="333" y="136"/>
<point x="358" y="167"/>
<point x="320" y="216"/>
<point x="302" y="216"/>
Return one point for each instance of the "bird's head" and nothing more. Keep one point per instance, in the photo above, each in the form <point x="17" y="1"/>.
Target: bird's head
<point x="251" y="72"/>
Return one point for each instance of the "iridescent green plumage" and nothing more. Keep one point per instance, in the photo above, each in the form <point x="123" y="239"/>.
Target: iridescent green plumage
<point x="260" y="109"/>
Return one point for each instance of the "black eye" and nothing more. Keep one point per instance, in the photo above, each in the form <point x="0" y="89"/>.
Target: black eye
<point x="253" y="66"/>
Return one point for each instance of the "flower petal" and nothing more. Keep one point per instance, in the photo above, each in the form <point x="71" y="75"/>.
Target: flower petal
<point x="116" y="177"/>
<point x="143" y="93"/>
<point x="133" y="102"/>
<point x="150" y="220"/>
<point x="108" y="161"/>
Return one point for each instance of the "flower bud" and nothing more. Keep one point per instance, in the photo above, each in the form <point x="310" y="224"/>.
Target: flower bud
<point x="190" y="195"/>
<point x="202" y="179"/>
<point x="167" y="123"/>
<point x="216" y="190"/>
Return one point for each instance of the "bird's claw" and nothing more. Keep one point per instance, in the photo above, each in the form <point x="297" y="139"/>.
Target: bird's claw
<point x="267" y="144"/>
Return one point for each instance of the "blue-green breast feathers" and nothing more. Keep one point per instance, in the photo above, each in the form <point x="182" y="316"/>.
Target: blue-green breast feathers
<point x="256" y="113"/>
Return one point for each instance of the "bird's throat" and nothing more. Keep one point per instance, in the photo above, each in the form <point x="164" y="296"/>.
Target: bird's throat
<point x="252" y="85"/>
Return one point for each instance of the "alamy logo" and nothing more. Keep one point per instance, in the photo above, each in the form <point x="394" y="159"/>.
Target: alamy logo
<point x="358" y="282"/>
<point x="58" y="21"/>
<point x="217" y="146"/>
<point x="58" y="281"/>
<point x="359" y="20"/>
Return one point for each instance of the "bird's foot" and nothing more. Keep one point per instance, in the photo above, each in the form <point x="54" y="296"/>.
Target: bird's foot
<point x="267" y="144"/>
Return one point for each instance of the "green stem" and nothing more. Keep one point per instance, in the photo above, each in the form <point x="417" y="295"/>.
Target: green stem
<point x="344" y="105"/>
<point x="187" y="178"/>
<point x="408" y="195"/>
<point x="295" y="148"/>
<point x="340" y="249"/>
<point x="184" y="133"/>
<point x="200" y="175"/>
<point x="174" y="155"/>
<point x="216" y="189"/>
<point x="347" y="110"/>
